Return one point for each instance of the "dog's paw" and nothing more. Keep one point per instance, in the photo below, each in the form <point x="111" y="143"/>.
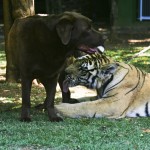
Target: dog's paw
<point x="70" y="100"/>
<point x="55" y="119"/>
<point x="73" y="101"/>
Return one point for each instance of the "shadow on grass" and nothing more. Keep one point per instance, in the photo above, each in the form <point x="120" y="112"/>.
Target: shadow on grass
<point x="10" y="97"/>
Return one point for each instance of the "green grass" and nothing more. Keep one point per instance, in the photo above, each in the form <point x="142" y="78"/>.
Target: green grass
<point x="71" y="134"/>
<point x="125" y="54"/>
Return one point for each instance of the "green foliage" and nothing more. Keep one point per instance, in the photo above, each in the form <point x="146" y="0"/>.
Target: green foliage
<point x="71" y="134"/>
<point x="125" y="54"/>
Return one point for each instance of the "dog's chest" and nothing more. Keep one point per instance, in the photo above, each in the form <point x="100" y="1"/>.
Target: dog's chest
<point x="47" y="70"/>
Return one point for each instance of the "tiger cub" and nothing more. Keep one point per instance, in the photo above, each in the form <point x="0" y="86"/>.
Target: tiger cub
<point x="123" y="89"/>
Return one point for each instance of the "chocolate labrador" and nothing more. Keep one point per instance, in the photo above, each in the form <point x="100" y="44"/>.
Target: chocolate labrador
<point x="40" y="46"/>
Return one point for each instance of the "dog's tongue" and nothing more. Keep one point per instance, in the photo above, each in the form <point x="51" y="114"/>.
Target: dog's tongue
<point x="96" y="49"/>
<point x="65" y="86"/>
<point x="89" y="50"/>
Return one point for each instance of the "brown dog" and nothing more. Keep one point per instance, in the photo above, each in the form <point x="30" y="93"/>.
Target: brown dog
<point x="40" y="46"/>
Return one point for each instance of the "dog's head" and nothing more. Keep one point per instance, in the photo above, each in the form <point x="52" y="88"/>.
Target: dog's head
<point x="76" y="30"/>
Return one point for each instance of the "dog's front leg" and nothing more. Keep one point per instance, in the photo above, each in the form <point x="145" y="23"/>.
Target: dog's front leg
<point x="50" y="87"/>
<point x="26" y="90"/>
<point x="66" y="96"/>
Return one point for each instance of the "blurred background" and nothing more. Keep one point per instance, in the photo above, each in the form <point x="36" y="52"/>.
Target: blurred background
<point x="117" y="15"/>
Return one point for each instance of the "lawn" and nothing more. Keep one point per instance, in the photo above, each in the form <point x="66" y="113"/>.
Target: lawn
<point x="71" y="134"/>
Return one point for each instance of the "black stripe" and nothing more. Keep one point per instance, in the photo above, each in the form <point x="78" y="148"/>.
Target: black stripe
<point x="94" y="115"/>
<point x="146" y="110"/>
<point x="88" y="56"/>
<point x="91" y="70"/>
<point x="138" y="74"/>
<point x="138" y="115"/>
<point x="90" y="62"/>
<point x="123" y="66"/>
<point x="89" y="75"/>
<point x="117" y="82"/>
<point x="93" y="80"/>
<point x="110" y="89"/>
<point x="101" y="61"/>
<point x="143" y="75"/>
<point x="106" y="60"/>
<point x="103" y="87"/>
<point x="110" y="96"/>
<point x="95" y="63"/>
<point x="130" y="66"/>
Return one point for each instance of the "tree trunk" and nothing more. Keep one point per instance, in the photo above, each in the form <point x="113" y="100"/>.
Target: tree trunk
<point x="8" y="21"/>
<point x="14" y="9"/>
<point x="113" y="17"/>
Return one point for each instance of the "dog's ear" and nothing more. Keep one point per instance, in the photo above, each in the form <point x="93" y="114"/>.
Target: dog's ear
<point x="64" y="28"/>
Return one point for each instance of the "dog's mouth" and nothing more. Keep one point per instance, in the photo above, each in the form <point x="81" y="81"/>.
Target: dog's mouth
<point x="90" y="50"/>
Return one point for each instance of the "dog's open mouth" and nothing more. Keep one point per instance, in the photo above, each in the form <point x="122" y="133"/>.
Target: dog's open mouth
<point x="90" y="50"/>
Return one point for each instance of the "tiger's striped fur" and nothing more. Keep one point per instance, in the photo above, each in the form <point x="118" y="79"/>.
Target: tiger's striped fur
<point x="124" y="90"/>
<point x="87" y="65"/>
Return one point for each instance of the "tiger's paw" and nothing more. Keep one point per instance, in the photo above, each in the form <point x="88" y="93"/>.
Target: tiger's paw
<point x="63" y="109"/>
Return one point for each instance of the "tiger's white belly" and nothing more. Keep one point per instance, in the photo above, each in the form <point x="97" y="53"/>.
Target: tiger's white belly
<point x="141" y="111"/>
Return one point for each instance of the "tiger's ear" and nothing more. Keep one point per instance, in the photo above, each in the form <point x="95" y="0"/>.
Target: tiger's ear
<point x="111" y="68"/>
<point x="64" y="28"/>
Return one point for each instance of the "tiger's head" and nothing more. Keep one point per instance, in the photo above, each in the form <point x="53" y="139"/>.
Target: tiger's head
<point x="85" y="70"/>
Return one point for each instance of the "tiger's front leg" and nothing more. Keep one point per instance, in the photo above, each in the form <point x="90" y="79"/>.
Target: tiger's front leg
<point x="84" y="109"/>
<point x="110" y="108"/>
